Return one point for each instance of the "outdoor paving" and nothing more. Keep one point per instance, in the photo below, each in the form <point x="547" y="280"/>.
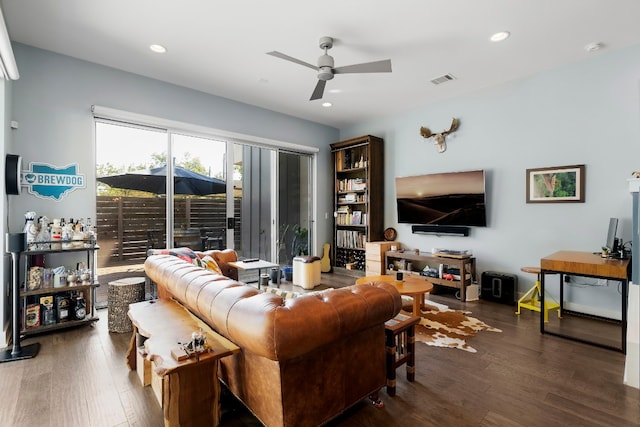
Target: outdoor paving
<point x="110" y="274"/>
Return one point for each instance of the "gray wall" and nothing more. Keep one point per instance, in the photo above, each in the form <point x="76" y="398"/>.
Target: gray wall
<point x="52" y="102"/>
<point x="585" y="113"/>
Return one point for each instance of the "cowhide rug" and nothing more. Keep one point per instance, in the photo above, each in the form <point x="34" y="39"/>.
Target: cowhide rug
<point x="443" y="327"/>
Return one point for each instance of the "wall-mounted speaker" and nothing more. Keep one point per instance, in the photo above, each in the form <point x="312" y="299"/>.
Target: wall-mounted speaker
<point x="13" y="167"/>
<point x="440" y="230"/>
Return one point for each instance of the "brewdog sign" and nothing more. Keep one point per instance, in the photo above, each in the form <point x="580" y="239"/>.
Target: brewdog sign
<point x="50" y="182"/>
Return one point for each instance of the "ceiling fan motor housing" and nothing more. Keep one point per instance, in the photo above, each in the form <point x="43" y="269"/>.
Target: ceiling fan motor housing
<point x="325" y="67"/>
<point x="325" y="73"/>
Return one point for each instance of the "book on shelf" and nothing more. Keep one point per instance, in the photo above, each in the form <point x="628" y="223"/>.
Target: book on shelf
<point x="356" y="218"/>
<point x="350" y="239"/>
<point x="359" y="184"/>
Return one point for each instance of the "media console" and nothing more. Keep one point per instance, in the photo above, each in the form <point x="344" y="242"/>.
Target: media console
<point x="414" y="264"/>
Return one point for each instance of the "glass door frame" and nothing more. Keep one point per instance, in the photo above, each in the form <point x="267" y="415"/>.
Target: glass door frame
<point x="101" y="113"/>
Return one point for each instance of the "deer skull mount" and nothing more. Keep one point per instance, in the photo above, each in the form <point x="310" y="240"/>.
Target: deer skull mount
<point x="439" y="139"/>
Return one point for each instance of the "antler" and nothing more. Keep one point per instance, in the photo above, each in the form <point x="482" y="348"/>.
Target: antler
<point x="440" y="137"/>
<point x="425" y="132"/>
<point x="453" y="128"/>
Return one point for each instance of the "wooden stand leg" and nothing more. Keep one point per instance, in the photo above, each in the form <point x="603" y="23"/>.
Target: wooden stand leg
<point x="190" y="397"/>
<point x="131" y="356"/>
<point x="390" y="348"/>
<point x="411" y="346"/>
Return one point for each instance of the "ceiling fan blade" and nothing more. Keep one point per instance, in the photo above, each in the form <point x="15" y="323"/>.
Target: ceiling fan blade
<point x="318" y="91"/>
<point x="292" y="59"/>
<point x="368" y="67"/>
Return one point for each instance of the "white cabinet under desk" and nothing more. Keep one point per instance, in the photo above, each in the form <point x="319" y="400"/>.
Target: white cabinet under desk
<point x="414" y="264"/>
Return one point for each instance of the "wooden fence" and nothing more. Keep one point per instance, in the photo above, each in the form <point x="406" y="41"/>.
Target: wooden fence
<point x="128" y="226"/>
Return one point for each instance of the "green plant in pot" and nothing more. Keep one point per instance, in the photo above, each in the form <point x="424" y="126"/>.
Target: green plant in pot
<point x="300" y="244"/>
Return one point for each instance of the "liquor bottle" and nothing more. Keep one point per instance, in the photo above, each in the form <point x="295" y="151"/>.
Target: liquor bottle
<point x="79" y="308"/>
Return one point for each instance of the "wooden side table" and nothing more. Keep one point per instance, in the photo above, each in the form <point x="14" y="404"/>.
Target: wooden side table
<point x="414" y="287"/>
<point x="188" y="389"/>
<point x="255" y="265"/>
<point x="400" y="344"/>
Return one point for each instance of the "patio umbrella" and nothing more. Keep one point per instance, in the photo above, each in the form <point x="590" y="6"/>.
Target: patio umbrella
<point x="155" y="181"/>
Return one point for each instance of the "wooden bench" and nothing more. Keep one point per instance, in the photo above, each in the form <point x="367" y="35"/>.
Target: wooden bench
<point x="187" y="389"/>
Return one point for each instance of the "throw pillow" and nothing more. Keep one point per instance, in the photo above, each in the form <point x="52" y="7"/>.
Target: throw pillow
<point x="291" y="294"/>
<point x="208" y="263"/>
<point x="281" y="293"/>
<point x="183" y="253"/>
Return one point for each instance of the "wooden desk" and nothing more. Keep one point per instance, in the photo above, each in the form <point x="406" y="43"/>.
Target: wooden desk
<point x="589" y="265"/>
<point x="187" y="390"/>
<point x="410" y="286"/>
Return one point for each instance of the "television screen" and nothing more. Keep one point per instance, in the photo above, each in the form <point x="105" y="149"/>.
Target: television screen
<point x="452" y="198"/>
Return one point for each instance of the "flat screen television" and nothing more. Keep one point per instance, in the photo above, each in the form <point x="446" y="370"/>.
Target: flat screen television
<point x="451" y="198"/>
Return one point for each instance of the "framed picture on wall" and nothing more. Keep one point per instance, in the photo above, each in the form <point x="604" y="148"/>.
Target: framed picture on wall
<point x="557" y="184"/>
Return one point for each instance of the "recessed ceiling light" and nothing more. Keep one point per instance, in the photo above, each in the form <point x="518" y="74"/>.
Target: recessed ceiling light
<point x="157" y="48"/>
<point x="327" y="104"/>
<point x="592" y="47"/>
<point x="500" y="36"/>
<point x="335" y="90"/>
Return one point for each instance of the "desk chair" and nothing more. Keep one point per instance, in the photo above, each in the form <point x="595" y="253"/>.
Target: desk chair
<point x="531" y="300"/>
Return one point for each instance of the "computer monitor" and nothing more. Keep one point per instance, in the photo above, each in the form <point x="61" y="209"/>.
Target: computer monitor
<point x="611" y="235"/>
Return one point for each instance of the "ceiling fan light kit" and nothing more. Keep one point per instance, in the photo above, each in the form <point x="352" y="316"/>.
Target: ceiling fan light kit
<point x="326" y="70"/>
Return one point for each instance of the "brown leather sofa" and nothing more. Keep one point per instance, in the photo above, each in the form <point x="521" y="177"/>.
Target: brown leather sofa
<point x="304" y="360"/>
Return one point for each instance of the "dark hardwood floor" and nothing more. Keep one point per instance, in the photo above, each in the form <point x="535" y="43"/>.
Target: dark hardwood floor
<point x="516" y="378"/>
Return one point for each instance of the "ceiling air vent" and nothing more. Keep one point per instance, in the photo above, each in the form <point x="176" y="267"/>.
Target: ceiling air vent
<point x="443" y="79"/>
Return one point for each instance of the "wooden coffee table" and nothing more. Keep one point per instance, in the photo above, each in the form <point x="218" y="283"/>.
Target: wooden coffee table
<point x="414" y="287"/>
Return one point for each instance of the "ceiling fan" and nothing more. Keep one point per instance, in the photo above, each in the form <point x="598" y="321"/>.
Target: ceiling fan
<point x="326" y="70"/>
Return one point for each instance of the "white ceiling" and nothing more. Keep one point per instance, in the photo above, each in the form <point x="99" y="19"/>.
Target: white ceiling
<point x="219" y="47"/>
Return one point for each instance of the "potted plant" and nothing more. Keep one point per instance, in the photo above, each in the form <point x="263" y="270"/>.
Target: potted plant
<point x="300" y="244"/>
<point x="605" y="252"/>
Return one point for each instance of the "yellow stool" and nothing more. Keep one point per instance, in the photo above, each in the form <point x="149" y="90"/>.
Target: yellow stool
<point x="531" y="300"/>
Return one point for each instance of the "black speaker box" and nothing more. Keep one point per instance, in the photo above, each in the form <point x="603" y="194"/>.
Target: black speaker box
<point x="13" y="166"/>
<point x="499" y="287"/>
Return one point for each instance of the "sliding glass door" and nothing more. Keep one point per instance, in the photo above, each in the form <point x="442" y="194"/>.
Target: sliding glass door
<point x="294" y="210"/>
<point x="275" y="197"/>
<point x="130" y="198"/>
<point x="199" y="199"/>
<point x="209" y="193"/>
